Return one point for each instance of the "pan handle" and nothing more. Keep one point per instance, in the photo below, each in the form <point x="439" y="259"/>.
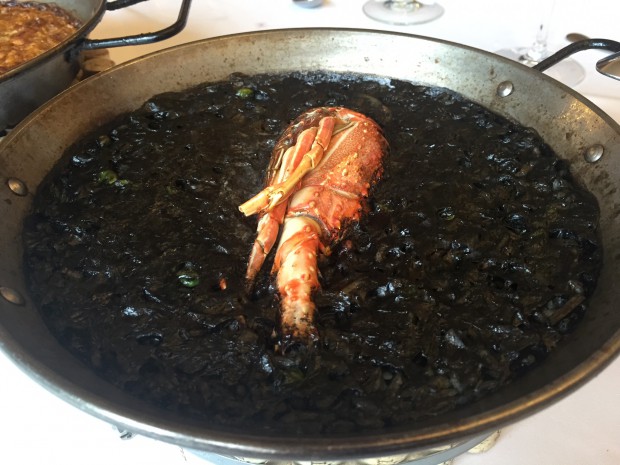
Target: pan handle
<point x="139" y="39"/>
<point x="610" y="66"/>
<point x="588" y="44"/>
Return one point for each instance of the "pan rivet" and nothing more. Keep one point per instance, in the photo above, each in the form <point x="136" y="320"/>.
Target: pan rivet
<point x="504" y="89"/>
<point x="11" y="295"/>
<point x="17" y="186"/>
<point x="594" y="153"/>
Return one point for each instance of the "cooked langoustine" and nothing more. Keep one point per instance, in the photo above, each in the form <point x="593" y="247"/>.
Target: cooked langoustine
<point x="320" y="174"/>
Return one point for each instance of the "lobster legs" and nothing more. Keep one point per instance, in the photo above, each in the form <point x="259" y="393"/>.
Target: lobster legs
<point x="297" y="161"/>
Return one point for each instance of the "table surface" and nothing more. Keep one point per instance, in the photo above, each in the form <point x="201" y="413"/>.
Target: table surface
<point x="583" y="428"/>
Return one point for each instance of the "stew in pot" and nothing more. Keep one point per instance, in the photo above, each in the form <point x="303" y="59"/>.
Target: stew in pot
<point x="28" y="29"/>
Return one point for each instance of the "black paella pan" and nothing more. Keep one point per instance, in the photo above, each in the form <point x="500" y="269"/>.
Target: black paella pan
<point x="588" y="138"/>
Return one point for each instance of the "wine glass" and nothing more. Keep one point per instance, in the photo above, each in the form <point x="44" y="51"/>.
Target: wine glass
<point x="402" y="12"/>
<point x="567" y="71"/>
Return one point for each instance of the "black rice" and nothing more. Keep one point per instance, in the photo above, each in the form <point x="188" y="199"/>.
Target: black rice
<point x="477" y="256"/>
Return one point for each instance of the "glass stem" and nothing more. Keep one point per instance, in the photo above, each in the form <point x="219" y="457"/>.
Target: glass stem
<point x="538" y="51"/>
<point x="406" y="5"/>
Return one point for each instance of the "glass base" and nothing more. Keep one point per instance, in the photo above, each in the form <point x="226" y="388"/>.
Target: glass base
<point x="567" y="71"/>
<point x="403" y="12"/>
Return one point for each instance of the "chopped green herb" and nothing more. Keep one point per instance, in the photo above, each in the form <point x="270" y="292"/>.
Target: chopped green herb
<point x="245" y="92"/>
<point x="107" y="177"/>
<point x="188" y="278"/>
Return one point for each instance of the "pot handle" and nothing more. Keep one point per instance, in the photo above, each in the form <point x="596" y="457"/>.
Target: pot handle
<point x="139" y="39"/>
<point x="588" y="44"/>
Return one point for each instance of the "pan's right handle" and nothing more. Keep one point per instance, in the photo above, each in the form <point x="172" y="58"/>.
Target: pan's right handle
<point x="588" y="44"/>
<point x="610" y="66"/>
<point x="140" y="39"/>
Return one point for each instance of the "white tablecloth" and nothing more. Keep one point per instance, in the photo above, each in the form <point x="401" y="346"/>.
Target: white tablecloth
<point x="584" y="428"/>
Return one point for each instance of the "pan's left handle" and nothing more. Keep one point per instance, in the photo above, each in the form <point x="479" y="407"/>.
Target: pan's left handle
<point x="140" y="39"/>
<point x="610" y="66"/>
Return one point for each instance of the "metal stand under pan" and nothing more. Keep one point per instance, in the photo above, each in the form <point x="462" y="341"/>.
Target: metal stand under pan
<point x="436" y="456"/>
